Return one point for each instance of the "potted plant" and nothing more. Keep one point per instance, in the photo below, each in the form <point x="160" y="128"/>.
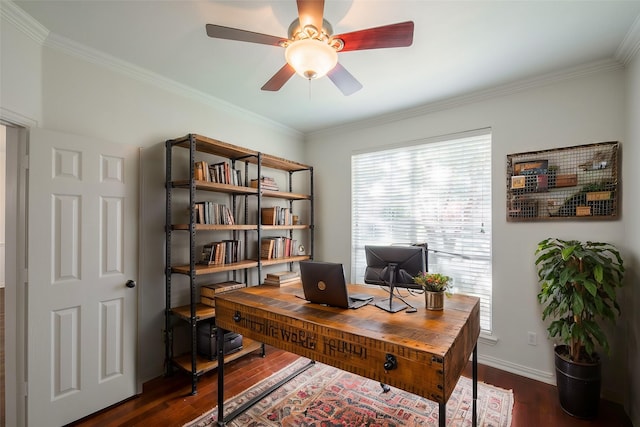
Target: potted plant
<point x="435" y="286"/>
<point x="578" y="289"/>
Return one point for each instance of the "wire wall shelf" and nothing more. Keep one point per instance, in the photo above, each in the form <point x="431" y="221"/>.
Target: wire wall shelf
<point x="579" y="182"/>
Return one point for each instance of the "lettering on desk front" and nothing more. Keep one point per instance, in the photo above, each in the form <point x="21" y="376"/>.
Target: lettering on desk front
<point x="278" y="331"/>
<point x="332" y="347"/>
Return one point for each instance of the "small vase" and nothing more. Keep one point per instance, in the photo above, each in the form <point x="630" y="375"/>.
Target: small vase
<point x="434" y="300"/>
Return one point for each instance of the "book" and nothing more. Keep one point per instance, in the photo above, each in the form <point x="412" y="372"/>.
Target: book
<point x="201" y="171"/>
<point x="268" y="215"/>
<point x="281" y="283"/>
<point x="278" y="283"/>
<point x="207" y="254"/>
<point x="266" y="248"/>
<point x="282" y="275"/>
<point x="237" y="177"/>
<point x="210" y="291"/>
<point x="291" y="279"/>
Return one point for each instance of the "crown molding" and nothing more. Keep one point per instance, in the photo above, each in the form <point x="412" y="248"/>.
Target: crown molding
<point x="630" y="46"/>
<point x="12" y="118"/>
<point x="474" y="97"/>
<point x="70" y="47"/>
<point x="23" y="21"/>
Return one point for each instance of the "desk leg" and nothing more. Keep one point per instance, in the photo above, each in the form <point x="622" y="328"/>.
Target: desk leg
<point x="220" y="341"/>
<point x="442" y="414"/>
<point x="474" y="365"/>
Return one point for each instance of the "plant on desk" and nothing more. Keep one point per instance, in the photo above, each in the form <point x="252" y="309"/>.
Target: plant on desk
<point x="435" y="286"/>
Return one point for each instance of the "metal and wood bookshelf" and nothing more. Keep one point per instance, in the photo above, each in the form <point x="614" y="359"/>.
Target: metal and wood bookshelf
<point x="253" y="165"/>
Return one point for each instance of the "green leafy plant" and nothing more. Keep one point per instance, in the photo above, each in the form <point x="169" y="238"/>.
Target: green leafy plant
<point x="434" y="282"/>
<point x="579" y="282"/>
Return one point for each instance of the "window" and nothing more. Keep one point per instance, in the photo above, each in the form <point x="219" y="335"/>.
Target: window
<point x="436" y="191"/>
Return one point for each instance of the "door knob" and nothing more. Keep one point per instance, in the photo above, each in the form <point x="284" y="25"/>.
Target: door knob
<point x="131" y="284"/>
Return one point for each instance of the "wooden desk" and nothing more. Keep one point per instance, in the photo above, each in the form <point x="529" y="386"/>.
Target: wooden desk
<point x="423" y="353"/>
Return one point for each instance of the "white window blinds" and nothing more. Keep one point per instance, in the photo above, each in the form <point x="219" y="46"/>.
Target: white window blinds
<point x="435" y="191"/>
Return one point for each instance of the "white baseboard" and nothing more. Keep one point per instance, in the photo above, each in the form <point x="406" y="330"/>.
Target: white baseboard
<point x="542" y="376"/>
<point x="514" y="368"/>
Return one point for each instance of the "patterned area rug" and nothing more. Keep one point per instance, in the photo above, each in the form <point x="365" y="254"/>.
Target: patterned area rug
<point x="324" y="396"/>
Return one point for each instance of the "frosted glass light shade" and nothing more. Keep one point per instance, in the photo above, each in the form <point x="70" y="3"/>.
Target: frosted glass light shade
<point x="311" y="58"/>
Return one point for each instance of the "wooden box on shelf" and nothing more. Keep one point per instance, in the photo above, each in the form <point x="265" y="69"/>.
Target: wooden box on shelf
<point x="208" y="292"/>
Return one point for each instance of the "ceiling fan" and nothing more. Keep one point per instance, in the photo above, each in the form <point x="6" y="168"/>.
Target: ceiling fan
<point x="312" y="50"/>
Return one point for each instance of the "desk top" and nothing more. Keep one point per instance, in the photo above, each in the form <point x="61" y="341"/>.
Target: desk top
<point x="431" y="347"/>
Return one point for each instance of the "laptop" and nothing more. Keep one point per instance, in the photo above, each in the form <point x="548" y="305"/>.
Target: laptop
<point x="324" y="283"/>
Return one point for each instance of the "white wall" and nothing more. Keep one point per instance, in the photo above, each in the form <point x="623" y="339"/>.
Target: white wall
<point x="631" y="174"/>
<point x="572" y="112"/>
<point x="20" y="68"/>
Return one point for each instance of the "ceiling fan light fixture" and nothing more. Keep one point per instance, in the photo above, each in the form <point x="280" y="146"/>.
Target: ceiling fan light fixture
<point x="311" y="58"/>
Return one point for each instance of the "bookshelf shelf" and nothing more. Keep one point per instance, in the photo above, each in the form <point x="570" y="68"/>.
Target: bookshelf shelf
<point x="202" y="312"/>
<point x="214" y="186"/>
<point x="286" y="227"/>
<point x="285" y="260"/>
<point x="285" y="195"/>
<point x="201" y="269"/>
<point x="216" y="172"/>
<point x="204" y="365"/>
<point x="215" y="227"/>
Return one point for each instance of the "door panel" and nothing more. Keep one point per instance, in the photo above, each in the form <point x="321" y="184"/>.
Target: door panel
<point x="83" y="229"/>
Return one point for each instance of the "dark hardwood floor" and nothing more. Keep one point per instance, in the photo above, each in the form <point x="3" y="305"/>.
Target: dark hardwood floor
<point x="167" y="402"/>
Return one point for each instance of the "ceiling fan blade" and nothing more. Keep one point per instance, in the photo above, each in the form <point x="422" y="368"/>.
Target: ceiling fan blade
<point x="227" y="33"/>
<point x="310" y="13"/>
<point x="394" y="35"/>
<point x="279" y="79"/>
<point x="344" y="80"/>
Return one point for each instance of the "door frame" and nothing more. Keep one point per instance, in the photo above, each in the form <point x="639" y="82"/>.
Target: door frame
<point x="15" y="268"/>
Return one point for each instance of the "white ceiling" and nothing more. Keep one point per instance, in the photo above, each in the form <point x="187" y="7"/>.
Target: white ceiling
<point x="459" y="47"/>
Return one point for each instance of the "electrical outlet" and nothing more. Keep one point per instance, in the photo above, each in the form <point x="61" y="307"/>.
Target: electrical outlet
<point x="532" y="338"/>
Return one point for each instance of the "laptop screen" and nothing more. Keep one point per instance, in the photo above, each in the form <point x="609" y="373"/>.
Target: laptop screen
<point x="324" y="283"/>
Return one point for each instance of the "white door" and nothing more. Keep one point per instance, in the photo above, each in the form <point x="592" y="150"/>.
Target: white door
<point x="83" y="251"/>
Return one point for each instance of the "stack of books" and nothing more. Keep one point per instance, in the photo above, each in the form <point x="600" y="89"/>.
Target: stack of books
<point x="266" y="183"/>
<point x="208" y="292"/>
<point x="282" y="278"/>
